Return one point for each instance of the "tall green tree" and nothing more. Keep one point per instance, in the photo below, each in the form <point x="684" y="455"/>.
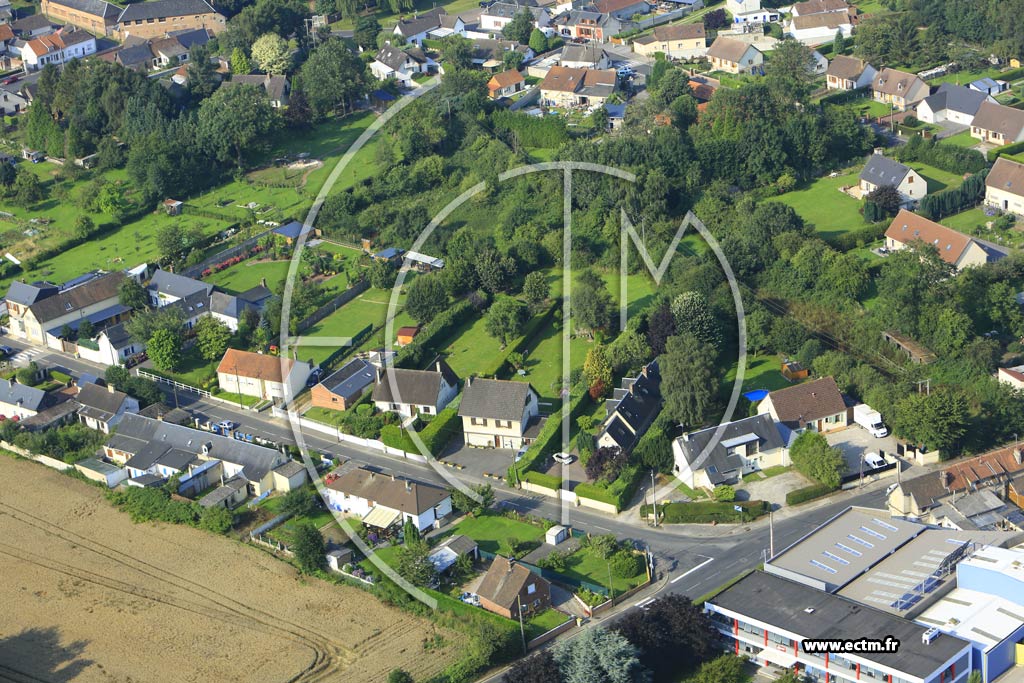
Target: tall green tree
<point x="333" y="78"/>
<point x="271" y="54"/>
<point x="693" y="315"/>
<point x="536" y="288"/>
<point x="131" y="294"/>
<point x="505" y="319"/>
<point x="164" y="350"/>
<point x="520" y="28"/>
<point x="790" y="73"/>
<point x="457" y="51"/>
<point x="236" y="123"/>
<point x="936" y="420"/>
<point x="202" y="73"/>
<point x="240" y="64"/>
<point x="367" y="29"/>
<point x="816" y="459"/>
<point x="426" y="298"/>
<point x="599" y="656"/>
<point x="688" y="380"/>
<point x="212" y="337"/>
<point x="308" y="547"/>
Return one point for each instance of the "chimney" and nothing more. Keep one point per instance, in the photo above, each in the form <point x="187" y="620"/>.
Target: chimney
<point x="392" y="476"/>
<point x="946" y="478"/>
<point x="110" y="388"/>
<point x="1018" y="456"/>
<point x="469" y="381"/>
<point x="380" y="376"/>
<point x="408" y="485"/>
<point x="437" y="365"/>
<point x="263" y="281"/>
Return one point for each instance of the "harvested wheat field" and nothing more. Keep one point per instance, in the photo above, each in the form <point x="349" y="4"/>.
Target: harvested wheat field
<point x="86" y="595"/>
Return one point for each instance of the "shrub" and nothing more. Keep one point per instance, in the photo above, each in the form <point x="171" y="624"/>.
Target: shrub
<point x="705" y="512"/>
<point x="626" y="564"/>
<point x="548" y="481"/>
<point x="807" y="493"/>
<point x="724" y="493"/>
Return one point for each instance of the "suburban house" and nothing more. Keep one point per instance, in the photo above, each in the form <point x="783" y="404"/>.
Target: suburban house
<point x="265" y="377"/>
<point x="681" y="41"/>
<point x="587" y="24"/>
<point x="342" y="388"/>
<point x="954" y="103"/>
<point x="57" y="48"/>
<point x="505" y="84"/>
<point x="746" y="446"/>
<point x="276" y="87"/>
<point x="19" y="401"/>
<point x="817" y="405"/>
<point x="848" y="73"/>
<point x="489" y="54"/>
<point x="400" y="64"/>
<point x="631" y="409"/>
<point x="1004" y="186"/>
<point x="157" y="447"/>
<point x="12" y="103"/>
<point x="96" y="16"/>
<point x="32" y="26"/>
<point x="415" y="30"/>
<point x="815" y="29"/>
<point x="230" y="309"/>
<point x="622" y="9"/>
<point x="588" y="56"/>
<point x="499" y="15"/>
<point x="564" y="87"/>
<point x="93" y="297"/>
<point x="154" y="19"/>
<point x="1012" y="377"/>
<point x="410" y="392"/>
<point x="103" y="407"/>
<point x="166" y="287"/>
<point x="881" y="170"/>
<point x="114" y="346"/>
<point x="750" y="12"/>
<point x="803" y="9"/>
<point x="734" y="56"/>
<point x="511" y="590"/>
<point x="997" y="124"/>
<point x="385" y="501"/>
<point x="498" y="413"/>
<point x="898" y="88"/>
<point x="955" y="248"/>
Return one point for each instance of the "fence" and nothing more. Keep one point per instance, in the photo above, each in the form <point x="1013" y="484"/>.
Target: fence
<point x="41" y="459"/>
<point x="659" y="19"/>
<point x="551" y="635"/>
<point x="197" y="270"/>
<point x="570" y="497"/>
<point x="333" y="305"/>
<point x="174" y="383"/>
<point x="529" y="99"/>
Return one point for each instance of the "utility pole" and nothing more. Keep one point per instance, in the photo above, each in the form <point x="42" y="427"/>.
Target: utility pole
<point x="771" y="534"/>
<point x="654" y="497"/>
<point x="522" y="628"/>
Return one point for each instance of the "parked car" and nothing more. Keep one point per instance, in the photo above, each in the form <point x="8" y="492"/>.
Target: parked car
<point x="626" y="72"/>
<point x="564" y="458"/>
<point x="227" y="425"/>
<point x="11" y="79"/>
<point x="6" y="351"/>
<point x="314" y="377"/>
<point x="874" y="460"/>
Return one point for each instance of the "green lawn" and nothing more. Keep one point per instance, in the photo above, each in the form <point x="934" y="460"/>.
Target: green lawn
<point x="544" y="361"/>
<point x="238" y="399"/>
<point x="587" y="566"/>
<point x="368" y="309"/>
<point x="937" y="179"/>
<point x="762" y="373"/>
<point x="193" y="369"/>
<point x="472" y="349"/>
<point x="246" y="275"/>
<point x="491" y="532"/>
<point x="388" y="19"/>
<point x="966" y="221"/>
<point x="540" y="624"/>
<point x="965" y="77"/>
<point x="961" y="139"/>
<point x="326" y="416"/>
<point x="831" y="212"/>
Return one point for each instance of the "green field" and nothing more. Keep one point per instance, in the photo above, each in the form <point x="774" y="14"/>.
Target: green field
<point x="491" y="532"/>
<point x="961" y="139"/>
<point x="472" y="348"/>
<point x="545" y="621"/>
<point x="388" y="18"/>
<point x="248" y="274"/>
<point x="368" y="309"/>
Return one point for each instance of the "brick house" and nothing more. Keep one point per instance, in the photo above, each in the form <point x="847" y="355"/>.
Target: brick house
<point x="509" y="588"/>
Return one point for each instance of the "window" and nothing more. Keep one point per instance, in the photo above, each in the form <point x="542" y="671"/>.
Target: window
<point x="478" y="421"/>
<point x="531" y="589"/>
<point x="334" y="399"/>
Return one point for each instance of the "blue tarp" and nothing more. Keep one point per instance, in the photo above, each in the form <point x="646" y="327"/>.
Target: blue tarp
<point x="755" y="395"/>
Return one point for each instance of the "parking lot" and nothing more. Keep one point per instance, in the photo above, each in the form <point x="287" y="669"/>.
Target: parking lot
<point x="855" y="441"/>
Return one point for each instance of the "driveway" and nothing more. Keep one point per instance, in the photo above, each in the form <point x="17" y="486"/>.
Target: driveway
<point x="855" y="441"/>
<point x="478" y="462"/>
<point x="772" y="489"/>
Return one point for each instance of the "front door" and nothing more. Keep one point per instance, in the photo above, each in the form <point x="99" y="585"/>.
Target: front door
<point x="497" y="442"/>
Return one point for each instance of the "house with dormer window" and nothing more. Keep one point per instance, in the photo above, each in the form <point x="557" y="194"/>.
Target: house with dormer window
<point x="898" y="88"/>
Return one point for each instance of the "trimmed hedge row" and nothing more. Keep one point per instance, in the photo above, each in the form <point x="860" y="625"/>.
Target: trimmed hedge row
<point x="618" y="493"/>
<point x="707" y="512"/>
<point x="435" y="435"/>
<point x="548" y="481"/>
<point x="550" y="438"/>
<point x="1012" y="148"/>
<point x="428" y="342"/>
<point x="499" y="367"/>
<point x="807" y="493"/>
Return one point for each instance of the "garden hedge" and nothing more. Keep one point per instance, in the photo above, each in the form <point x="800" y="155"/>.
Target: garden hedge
<point x="1012" y="148"/>
<point x="550" y="438"/>
<point x="430" y="339"/>
<point x="435" y="435"/>
<point x="548" y="481"/>
<point x="618" y="493"/>
<point x="807" y="493"/>
<point x="707" y="512"/>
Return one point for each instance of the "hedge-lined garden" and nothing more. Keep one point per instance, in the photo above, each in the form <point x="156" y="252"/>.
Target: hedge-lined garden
<point x="708" y="512"/>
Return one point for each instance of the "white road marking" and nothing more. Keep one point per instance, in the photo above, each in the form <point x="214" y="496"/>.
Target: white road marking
<point x="690" y="571"/>
<point x="643" y="602"/>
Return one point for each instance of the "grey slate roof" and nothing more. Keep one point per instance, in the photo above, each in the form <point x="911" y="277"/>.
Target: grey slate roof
<point x="290" y="468"/>
<point x="136" y="434"/>
<point x="191" y="37"/>
<point x="416" y="387"/>
<point x="164" y="8"/>
<point x="67" y="301"/>
<point x="96" y="8"/>
<point x="134" y="55"/>
<point x="257" y="296"/>
<point x="591" y="54"/>
<point x="505" y="580"/>
<point x="809" y="613"/>
<point x="397" y="493"/>
<point x="26" y="294"/>
<point x="351" y="378"/>
<point x="508" y="10"/>
<point x="422" y="23"/>
<point x="99" y="402"/>
<point x="498" y="399"/>
<point x="172" y="284"/>
<point x="760" y="428"/>
<point x="392" y="56"/>
<point x="956" y="98"/>
<point x="32" y="22"/>
<point x="29" y="398"/>
<point x="633" y="409"/>
<point x="881" y="170"/>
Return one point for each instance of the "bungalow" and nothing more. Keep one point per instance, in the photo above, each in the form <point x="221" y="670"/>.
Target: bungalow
<point x="815" y="29"/>
<point x="997" y="124"/>
<point x="746" y="446"/>
<point x="734" y="56"/>
<point x="817" y="405"/>
<point x="157" y="447"/>
<point x="415" y="30"/>
<point x="499" y="413"/>
<point x="1011" y="377"/>
<point x="276" y="87"/>
<point x="57" y="48"/>
<point x="564" y="87"/>
<point x="342" y="388"/>
<point x="681" y="41"/>
<point x="39" y="323"/>
<point x="265" y="377"/>
<point x="631" y="409"/>
<point x="401" y="64"/>
<point x="499" y="15"/>
<point x="881" y="170"/>
<point x="575" y="56"/>
<point x="622" y="9"/>
<point x="19" y="401"/>
<point x="1004" y="186"/>
<point x="898" y="88"/>
<point x="102" y="408"/>
<point x="96" y="16"/>
<point x="955" y="248"/>
<point x="114" y="346"/>
<point x="385" y="501"/>
<point x="848" y="73"/>
<point x="154" y="19"/>
<point x="803" y="9"/>
<point x="513" y="591"/>
<point x="954" y="103"/>
<point x="410" y="392"/>
<point x="166" y="287"/>
<point x="505" y="84"/>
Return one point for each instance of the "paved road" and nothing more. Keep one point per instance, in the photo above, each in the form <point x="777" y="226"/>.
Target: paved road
<point x="690" y="559"/>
